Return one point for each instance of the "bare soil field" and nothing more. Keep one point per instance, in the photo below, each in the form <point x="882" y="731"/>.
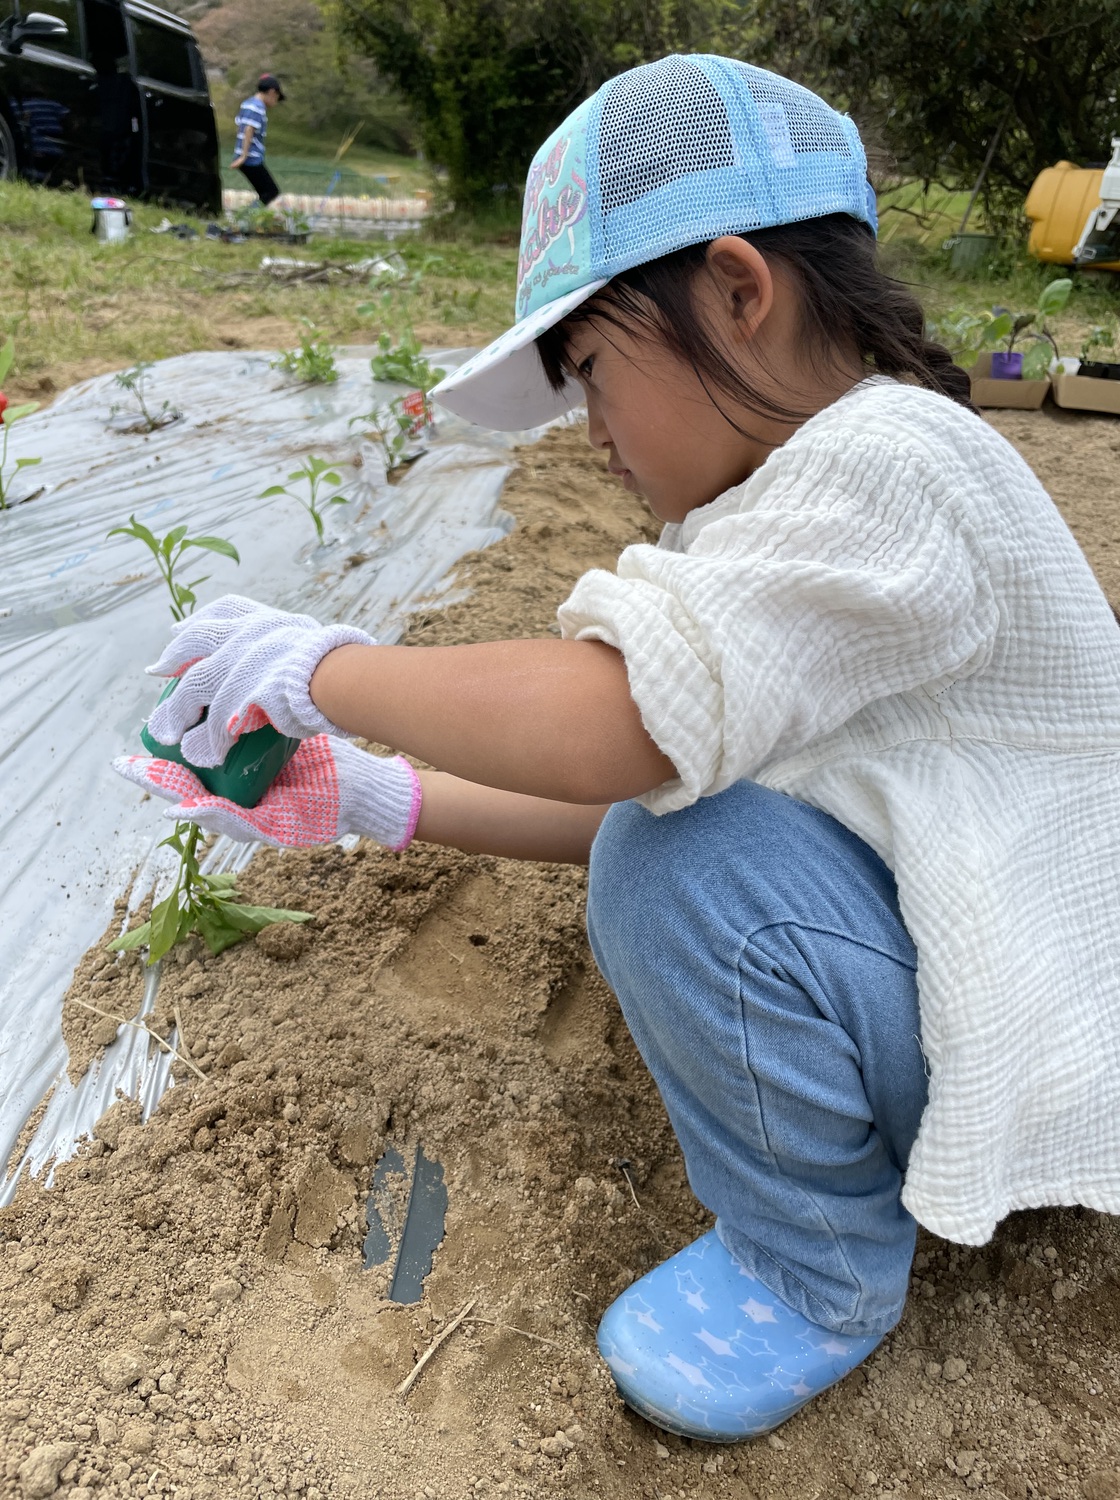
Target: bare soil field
<point x="185" y="1313"/>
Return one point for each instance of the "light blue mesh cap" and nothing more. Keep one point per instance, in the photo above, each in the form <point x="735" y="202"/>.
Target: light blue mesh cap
<point x="673" y="153"/>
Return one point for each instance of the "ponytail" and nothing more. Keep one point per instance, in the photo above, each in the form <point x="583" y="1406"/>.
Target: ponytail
<point x="848" y="306"/>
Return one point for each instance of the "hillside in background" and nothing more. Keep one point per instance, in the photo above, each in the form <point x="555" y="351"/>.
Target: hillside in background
<point x="328" y="93"/>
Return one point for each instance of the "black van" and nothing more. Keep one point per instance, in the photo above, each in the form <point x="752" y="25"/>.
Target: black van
<point x="110" y="95"/>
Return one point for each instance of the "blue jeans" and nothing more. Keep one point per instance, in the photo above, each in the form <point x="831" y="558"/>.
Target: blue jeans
<point x="764" y="970"/>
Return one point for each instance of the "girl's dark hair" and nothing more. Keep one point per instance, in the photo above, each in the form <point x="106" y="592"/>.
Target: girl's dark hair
<point x="849" y="306"/>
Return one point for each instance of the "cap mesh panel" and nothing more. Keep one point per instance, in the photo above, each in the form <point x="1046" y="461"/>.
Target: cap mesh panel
<point x="658" y="125"/>
<point x="812" y="125"/>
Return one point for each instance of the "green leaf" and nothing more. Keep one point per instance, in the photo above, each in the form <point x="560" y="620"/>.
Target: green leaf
<point x="1036" y="361"/>
<point x="137" y="938"/>
<point x="7" y="354"/>
<point x="165" y="927"/>
<point x="216" y="934"/>
<point x="188" y="917"/>
<point x="184" y="595"/>
<point x="273" y="489"/>
<point x="214" y="544"/>
<point x="27" y="463"/>
<point x="14" y="413"/>
<point x="253" y="918"/>
<point x="172" y="540"/>
<point x="338" y="500"/>
<point x="226" y="881"/>
<point x="1055" y="296"/>
<point x="138" y="531"/>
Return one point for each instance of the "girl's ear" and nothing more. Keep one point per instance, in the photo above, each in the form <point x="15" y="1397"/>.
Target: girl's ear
<point x="744" y="282"/>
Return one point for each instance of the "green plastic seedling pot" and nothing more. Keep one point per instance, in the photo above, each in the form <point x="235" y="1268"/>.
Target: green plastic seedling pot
<point x="250" y="768"/>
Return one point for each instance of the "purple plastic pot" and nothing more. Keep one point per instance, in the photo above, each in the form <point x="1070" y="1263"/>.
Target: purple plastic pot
<point x="1007" y="366"/>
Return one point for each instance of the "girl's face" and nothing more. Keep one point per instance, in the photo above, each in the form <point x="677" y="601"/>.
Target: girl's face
<point x="666" y="436"/>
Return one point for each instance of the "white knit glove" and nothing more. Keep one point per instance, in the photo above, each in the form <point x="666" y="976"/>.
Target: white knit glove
<point x="327" y="789"/>
<point x="249" y="665"/>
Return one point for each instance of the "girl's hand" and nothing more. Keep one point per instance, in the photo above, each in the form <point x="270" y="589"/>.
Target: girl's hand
<point x="249" y="665"/>
<point x="328" y="788"/>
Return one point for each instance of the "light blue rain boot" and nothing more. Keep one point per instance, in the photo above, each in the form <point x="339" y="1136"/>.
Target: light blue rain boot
<point x="699" y="1347"/>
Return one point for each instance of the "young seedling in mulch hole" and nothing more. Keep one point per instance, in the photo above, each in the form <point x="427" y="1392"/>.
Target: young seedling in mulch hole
<point x="9" y="415"/>
<point x="316" y="472"/>
<point x="396" y="426"/>
<point x="313" y="362"/>
<point x="168" y="552"/>
<point x="206" y="904"/>
<point x="146" y="420"/>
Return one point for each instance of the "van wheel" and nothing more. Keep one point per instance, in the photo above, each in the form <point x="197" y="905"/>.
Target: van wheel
<point x="9" y="166"/>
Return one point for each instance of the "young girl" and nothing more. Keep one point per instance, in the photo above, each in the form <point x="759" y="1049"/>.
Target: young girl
<point x="843" y="748"/>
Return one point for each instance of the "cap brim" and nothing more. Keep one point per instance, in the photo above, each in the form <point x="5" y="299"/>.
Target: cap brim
<point x="504" y="386"/>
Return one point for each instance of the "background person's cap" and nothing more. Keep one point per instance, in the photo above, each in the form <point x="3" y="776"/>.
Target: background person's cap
<point x="269" y="81"/>
<point x="672" y="153"/>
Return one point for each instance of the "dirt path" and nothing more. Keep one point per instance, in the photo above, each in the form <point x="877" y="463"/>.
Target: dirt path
<point x="186" y="1313"/>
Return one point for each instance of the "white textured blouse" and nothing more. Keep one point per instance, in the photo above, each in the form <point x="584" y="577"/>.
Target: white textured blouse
<point x="891" y="622"/>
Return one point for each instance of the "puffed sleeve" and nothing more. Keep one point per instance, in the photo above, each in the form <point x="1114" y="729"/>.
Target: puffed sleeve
<point x="846" y="570"/>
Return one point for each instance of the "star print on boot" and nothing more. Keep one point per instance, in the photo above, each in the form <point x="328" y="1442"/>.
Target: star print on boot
<point x="700" y="1347"/>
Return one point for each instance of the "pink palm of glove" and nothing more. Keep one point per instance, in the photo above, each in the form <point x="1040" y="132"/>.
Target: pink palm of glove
<point x="328" y="788"/>
<point x="249" y="665"/>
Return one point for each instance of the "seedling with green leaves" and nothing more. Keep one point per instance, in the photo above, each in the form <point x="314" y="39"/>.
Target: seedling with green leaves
<point x="9" y="415"/>
<point x="206" y="904"/>
<point x="404" y="363"/>
<point x="312" y="362"/>
<point x="168" y="552"/>
<point x="394" y="428"/>
<point x="967" y="335"/>
<point x="1036" y="360"/>
<point x="316" y="473"/>
<point x="147" y="420"/>
<point x="1101" y="337"/>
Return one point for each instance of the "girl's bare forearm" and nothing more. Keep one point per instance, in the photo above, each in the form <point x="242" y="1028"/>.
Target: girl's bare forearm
<point x="485" y="820"/>
<point x="549" y="719"/>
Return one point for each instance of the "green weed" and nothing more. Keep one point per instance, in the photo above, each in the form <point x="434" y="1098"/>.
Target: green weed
<point x="312" y="361"/>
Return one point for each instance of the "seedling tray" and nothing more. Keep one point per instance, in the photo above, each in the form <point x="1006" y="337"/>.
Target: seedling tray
<point x="1084" y="393"/>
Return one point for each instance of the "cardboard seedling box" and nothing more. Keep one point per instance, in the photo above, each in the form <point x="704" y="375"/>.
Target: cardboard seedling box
<point x="1085" y="393"/>
<point x="1023" y="395"/>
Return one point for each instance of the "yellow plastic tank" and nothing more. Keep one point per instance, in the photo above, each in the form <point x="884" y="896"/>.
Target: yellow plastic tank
<point x="1059" y="204"/>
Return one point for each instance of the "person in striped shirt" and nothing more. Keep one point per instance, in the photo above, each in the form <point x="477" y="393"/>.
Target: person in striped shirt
<point x="252" y="126"/>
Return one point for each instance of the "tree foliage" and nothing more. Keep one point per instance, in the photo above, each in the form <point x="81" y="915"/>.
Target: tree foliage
<point x="936" y="82"/>
<point x="488" y="80"/>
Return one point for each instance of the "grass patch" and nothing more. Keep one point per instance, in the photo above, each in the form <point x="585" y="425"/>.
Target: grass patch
<point x="77" y="307"/>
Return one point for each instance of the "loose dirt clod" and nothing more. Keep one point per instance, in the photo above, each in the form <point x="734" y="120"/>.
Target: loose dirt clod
<point x="38" y="1474"/>
<point x="451" y="1001"/>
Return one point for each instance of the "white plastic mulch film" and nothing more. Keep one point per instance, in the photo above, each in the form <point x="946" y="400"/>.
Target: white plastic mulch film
<point x="81" y="614"/>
